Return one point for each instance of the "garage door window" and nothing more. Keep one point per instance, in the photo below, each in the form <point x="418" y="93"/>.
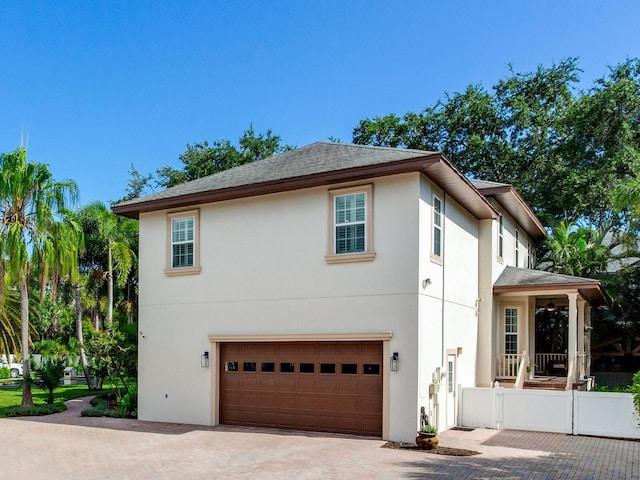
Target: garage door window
<point x="371" y="369"/>
<point x="349" y="368"/>
<point x="267" y="367"/>
<point x="307" y="368"/>
<point x="327" y="368"/>
<point x="288" y="367"/>
<point x="249" y="367"/>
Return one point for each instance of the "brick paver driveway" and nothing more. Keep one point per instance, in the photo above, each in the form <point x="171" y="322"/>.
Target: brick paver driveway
<point x="66" y="446"/>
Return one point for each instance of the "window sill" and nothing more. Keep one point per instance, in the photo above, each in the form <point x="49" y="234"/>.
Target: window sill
<point x="437" y="259"/>
<point x="174" y="272"/>
<point x="350" y="257"/>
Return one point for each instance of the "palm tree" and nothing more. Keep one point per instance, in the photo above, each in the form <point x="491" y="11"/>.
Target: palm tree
<point x="578" y="251"/>
<point x="30" y="201"/>
<point x="112" y="232"/>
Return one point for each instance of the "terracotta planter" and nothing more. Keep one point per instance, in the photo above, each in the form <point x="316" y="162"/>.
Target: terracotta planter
<point x="427" y="441"/>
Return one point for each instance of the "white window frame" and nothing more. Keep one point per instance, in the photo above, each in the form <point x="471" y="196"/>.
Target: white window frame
<point x="500" y="237"/>
<point x="368" y="253"/>
<point x="172" y="217"/>
<point x="528" y="265"/>
<point x="437" y="222"/>
<point x="517" y="249"/>
<point x="508" y="329"/>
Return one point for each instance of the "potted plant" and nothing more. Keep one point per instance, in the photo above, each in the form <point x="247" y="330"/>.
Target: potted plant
<point x="427" y="437"/>
<point x="529" y="373"/>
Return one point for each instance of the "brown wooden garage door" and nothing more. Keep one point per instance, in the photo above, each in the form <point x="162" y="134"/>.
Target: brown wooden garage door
<point x="321" y="386"/>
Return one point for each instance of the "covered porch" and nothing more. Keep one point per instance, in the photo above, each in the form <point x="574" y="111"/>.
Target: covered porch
<point x="543" y="324"/>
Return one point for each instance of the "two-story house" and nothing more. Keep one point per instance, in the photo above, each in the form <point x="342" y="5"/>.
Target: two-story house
<point x="337" y="288"/>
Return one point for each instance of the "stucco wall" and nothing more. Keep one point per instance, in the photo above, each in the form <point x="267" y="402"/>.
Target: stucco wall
<point x="264" y="271"/>
<point x="447" y="305"/>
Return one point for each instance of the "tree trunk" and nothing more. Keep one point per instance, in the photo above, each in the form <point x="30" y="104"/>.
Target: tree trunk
<point x="27" y="399"/>
<point x="109" y="287"/>
<point x="80" y="336"/>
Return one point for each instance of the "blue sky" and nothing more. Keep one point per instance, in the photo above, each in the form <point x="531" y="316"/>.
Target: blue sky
<point x="99" y="85"/>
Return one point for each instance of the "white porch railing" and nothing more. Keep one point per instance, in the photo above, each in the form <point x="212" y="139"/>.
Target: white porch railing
<point x="508" y="364"/>
<point x="544" y="360"/>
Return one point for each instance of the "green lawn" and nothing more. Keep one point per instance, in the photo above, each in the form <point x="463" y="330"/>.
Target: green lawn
<point x="11" y="397"/>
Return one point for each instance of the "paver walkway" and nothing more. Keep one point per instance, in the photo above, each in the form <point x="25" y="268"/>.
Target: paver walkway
<point x="67" y="446"/>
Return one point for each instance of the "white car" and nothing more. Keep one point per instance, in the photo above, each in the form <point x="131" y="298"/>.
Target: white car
<point x="15" y="368"/>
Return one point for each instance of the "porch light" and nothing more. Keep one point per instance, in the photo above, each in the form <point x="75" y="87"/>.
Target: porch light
<point x="395" y="363"/>
<point x="551" y="306"/>
<point x="204" y="360"/>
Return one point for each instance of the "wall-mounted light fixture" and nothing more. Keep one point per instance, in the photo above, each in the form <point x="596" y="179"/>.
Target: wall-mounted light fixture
<point x="204" y="360"/>
<point x="459" y="351"/>
<point x="426" y="282"/>
<point x="395" y="362"/>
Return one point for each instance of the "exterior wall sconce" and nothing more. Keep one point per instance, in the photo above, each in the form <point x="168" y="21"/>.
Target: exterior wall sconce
<point x="459" y="351"/>
<point x="204" y="360"/>
<point x="395" y="363"/>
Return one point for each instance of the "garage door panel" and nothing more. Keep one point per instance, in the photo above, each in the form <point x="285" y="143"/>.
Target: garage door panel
<point x="307" y="402"/>
<point x="323" y="386"/>
<point x="349" y="386"/>
<point x="307" y="384"/>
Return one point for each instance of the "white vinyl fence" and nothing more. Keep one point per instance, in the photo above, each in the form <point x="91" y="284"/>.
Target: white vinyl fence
<point x="575" y="412"/>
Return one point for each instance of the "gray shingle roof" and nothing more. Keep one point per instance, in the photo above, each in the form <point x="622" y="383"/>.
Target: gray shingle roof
<point x="515" y="279"/>
<point x="312" y="159"/>
<point x="480" y="184"/>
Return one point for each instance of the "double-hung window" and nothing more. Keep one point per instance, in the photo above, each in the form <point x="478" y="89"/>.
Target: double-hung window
<point x="517" y="240"/>
<point x="351" y="227"/>
<point x="436" y="244"/>
<point x="351" y="223"/>
<point x="183" y="243"/>
<point x="510" y="330"/>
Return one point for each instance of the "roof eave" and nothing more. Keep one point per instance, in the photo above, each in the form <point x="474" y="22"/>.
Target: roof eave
<point x="434" y="166"/>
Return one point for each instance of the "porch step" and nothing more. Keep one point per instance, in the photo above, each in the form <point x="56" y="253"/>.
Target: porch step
<point x="546" y="383"/>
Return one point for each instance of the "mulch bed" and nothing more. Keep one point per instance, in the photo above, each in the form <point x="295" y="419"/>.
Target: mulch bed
<point x="456" y="452"/>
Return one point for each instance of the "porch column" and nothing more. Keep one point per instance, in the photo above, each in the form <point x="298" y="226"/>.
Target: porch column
<point x="532" y="334"/>
<point x="580" y="337"/>
<point x="573" y="339"/>
<point x="587" y="340"/>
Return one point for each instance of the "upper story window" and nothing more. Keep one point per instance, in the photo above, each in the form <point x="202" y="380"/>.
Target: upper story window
<point x="529" y="261"/>
<point x="517" y="248"/>
<point x="183" y="252"/>
<point x="500" y="236"/>
<point x="436" y="244"/>
<point x="351" y="225"/>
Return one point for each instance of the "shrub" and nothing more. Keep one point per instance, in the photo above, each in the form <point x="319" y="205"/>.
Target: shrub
<point x="101" y="407"/>
<point x="635" y="389"/>
<point x="48" y="373"/>
<point x="5" y="372"/>
<point x="36" y="410"/>
<point x="128" y="403"/>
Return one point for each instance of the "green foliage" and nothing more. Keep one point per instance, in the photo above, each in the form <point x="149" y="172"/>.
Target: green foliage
<point x="36" y="410"/>
<point x="563" y="150"/>
<point x="101" y="407"/>
<point x="428" y="429"/>
<point x="128" y="403"/>
<point x="48" y="374"/>
<point x="112" y="357"/>
<point x="635" y="389"/>
<point x="5" y="372"/>
<point x="202" y="159"/>
<point x="616" y="389"/>
<point x="572" y="250"/>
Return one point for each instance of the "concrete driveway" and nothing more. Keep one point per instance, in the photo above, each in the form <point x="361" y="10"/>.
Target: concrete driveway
<point x="67" y="446"/>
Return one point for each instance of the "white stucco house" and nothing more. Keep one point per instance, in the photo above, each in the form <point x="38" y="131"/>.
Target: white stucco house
<point x="339" y="288"/>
